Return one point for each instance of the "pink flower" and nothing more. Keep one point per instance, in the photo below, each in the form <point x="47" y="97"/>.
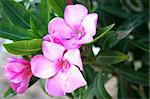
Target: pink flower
<point x="50" y="39"/>
<point x="58" y="66"/>
<point x="77" y="28"/>
<point x="18" y="71"/>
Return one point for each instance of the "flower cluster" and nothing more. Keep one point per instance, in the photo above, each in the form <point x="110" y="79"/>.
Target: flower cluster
<point x="60" y="64"/>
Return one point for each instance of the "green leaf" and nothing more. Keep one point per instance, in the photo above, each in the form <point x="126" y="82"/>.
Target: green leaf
<point x="62" y="4"/>
<point x="55" y="7"/>
<point x="140" y="45"/>
<point x="26" y="47"/>
<point x="100" y="90"/>
<point x="104" y="31"/>
<point x="9" y="93"/>
<point x="79" y="93"/>
<point x="42" y="84"/>
<point x="111" y="40"/>
<point x="38" y="27"/>
<point x="13" y="32"/>
<point x="89" y="93"/>
<point x="133" y="76"/>
<point x="108" y="56"/>
<point x="89" y="73"/>
<point x="16" y="13"/>
<point x="33" y="80"/>
<point x="45" y="11"/>
<point x="115" y="11"/>
<point x="35" y="29"/>
<point x="122" y="91"/>
<point x="127" y="27"/>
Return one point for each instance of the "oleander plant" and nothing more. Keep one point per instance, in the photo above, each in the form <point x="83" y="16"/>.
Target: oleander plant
<point x="75" y="48"/>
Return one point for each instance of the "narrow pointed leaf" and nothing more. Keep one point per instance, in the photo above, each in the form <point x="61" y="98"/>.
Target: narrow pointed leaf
<point x="33" y="80"/>
<point x="115" y="11"/>
<point x="13" y="32"/>
<point x="108" y="56"/>
<point x="42" y="84"/>
<point x="134" y="76"/>
<point x="9" y="93"/>
<point x="56" y="8"/>
<point x="16" y="13"/>
<point x="45" y="11"/>
<point x="89" y="74"/>
<point x="38" y="26"/>
<point x="35" y="29"/>
<point x="26" y="47"/>
<point x="100" y="90"/>
<point x="104" y="31"/>
<point x="89" y="94"/>
<point x="111" y="40"/>
<point x="140" y="45"/>
<point x="122" y="91"/>
<point x="62" y="4"/>
<point x="127" y="27"/>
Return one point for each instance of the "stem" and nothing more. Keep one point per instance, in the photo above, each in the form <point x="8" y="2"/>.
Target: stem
<point x="69" y="2"/>
<point x="108" y="28"/>
<point x="104" y="33"/>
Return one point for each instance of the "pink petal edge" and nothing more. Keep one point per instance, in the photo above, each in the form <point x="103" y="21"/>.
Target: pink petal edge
<point x="42" y="67"/>
<point x="52" y="51"/>
<point x="59" y="29"/>
<point x="74" y="14"/>
<point x="89" y="23"/>
<point x="55" y="86"/>
<point x="74" y="79"/>
<point x="74" y="57"/>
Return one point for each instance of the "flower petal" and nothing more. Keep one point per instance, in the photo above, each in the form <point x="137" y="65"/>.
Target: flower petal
<point x="21" y="61"/>
<point x="9" y="74"/>
<point x="74" y="79"/>
<point x="22" y="86"/>
<point x="18" y="87"/>
<point x="52" y="51"/>
<point x="48" y="38"/>
<point x="58" y="28"/>
<point x="17" y="78"/>
<point x="55" y="86"/>
<point x="87" y="38"/>
<point x="74" y="14"/>
<point x="74" y="57"/>
<point x="71" y="44"/>
<point x="89" y="23"/>
<point x="15" y="66"/>
<point x="42" y="67"/>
